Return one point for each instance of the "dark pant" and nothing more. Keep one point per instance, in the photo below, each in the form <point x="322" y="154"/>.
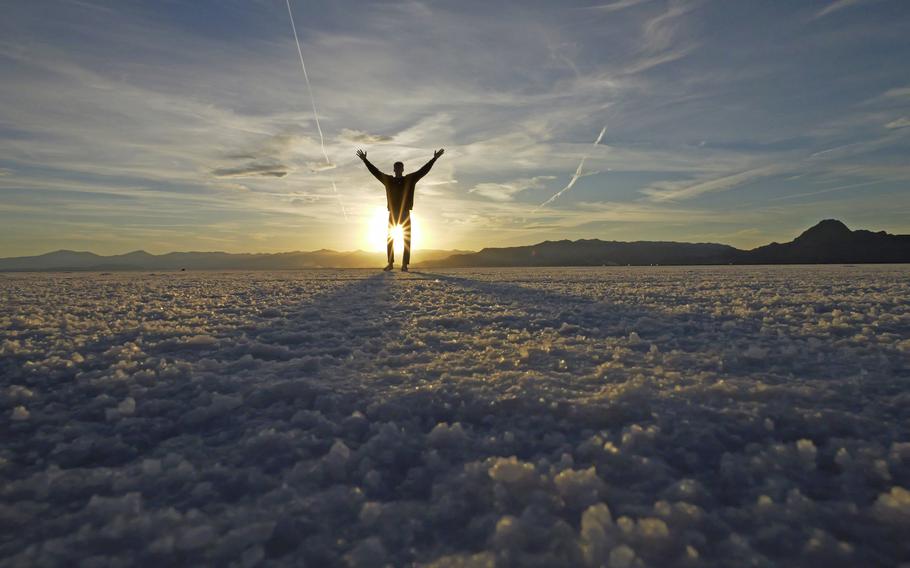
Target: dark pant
<point x="405" y="221"/>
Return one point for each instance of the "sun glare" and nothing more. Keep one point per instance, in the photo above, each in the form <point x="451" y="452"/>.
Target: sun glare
<point x="374" y="238"/>
<point x="398" y="241"/>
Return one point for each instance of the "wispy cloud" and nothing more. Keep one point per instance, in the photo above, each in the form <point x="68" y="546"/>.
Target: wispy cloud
<point x="617" y="5"/>
<point x="898" y="92"/>
<point x="267" y="170"/>
<point x="359" y="136"/>
<point x="506" y="191"/>
<point x="902" y="122"/>
<point x="576" y="176"/>
<point x="680" y="190"/>
<point x="650" y="61"/>
<point x="660" y="40"/>
<point x="839" y="5"/>
<point x="316" y="167"/>
<point x="864" y="146"/>
<point x="660" y="32"/>
<point x="827" y="190"/>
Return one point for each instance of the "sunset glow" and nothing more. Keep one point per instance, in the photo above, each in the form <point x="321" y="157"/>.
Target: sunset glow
<point x="126" y="126"/>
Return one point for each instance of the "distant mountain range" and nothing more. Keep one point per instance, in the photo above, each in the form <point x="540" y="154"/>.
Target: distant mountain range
<point x="67" y="260"/>
<point x="830" y="241"/>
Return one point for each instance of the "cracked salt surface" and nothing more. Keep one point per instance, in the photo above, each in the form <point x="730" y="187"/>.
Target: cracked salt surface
<point x="615" y="417"/>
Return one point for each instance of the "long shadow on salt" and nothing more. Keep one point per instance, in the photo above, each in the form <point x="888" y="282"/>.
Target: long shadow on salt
<point x="515" y="461"/>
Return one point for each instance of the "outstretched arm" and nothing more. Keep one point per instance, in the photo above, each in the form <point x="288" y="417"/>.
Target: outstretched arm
<point x="373" y="169"/>
<point x="426" y="167"/>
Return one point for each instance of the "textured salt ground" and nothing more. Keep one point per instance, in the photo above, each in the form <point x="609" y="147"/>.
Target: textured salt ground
<point x="567" y="417"/>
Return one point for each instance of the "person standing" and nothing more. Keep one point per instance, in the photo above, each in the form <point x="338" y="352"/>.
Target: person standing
<point x="399" y="194"/>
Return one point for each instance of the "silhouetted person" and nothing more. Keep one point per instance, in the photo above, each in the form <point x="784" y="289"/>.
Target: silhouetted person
<point x="399" y="195"/>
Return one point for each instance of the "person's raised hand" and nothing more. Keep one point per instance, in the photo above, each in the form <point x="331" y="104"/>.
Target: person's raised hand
<point x="361" y="154"/>
<point x="438" y="153"/>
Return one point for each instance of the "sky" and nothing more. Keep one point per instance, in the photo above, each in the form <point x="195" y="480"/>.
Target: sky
<point x="187" y="125"/>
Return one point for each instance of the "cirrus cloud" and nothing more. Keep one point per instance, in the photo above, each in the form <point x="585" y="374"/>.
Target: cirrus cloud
<point x="506" y="191"/>
<point x="252" y="170"/>
<point x="353" y="135"/>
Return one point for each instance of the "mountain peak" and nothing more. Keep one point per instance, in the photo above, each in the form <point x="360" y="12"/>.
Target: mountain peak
<point x="67" y="252"/>
<point x="829" y="229"/>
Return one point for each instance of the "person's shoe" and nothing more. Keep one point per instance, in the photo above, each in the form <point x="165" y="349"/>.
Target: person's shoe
<point x="388" y="267"/>
<point x="404" y="267"/>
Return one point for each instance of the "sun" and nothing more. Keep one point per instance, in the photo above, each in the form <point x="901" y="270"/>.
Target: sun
<point x="374" y="238"/>
<point x="374" y="235"/>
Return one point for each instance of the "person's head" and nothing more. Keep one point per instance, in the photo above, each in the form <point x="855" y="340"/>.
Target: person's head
<point x="399" y="168"/>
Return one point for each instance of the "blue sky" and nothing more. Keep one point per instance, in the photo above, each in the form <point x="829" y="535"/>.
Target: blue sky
<point x="177" y="125"/>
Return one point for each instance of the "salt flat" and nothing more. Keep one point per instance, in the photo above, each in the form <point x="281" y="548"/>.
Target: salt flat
<point x="710" y="416"/>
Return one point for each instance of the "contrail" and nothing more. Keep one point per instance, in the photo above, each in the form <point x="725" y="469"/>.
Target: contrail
<point x="575" y="176"/>
<point x="309" y="89"/>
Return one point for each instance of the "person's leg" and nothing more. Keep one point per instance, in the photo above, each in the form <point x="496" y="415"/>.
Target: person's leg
<point x="390" y="242"/>
<point x="406" y="230"/>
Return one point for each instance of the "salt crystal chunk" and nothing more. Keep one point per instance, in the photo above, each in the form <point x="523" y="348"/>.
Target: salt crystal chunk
<point x="127" y="407"/>
<point x="621" y="557"/>
<point x="19" y="414"/>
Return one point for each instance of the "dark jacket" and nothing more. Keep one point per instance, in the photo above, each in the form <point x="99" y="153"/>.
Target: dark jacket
<point x="399" y="191"/>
